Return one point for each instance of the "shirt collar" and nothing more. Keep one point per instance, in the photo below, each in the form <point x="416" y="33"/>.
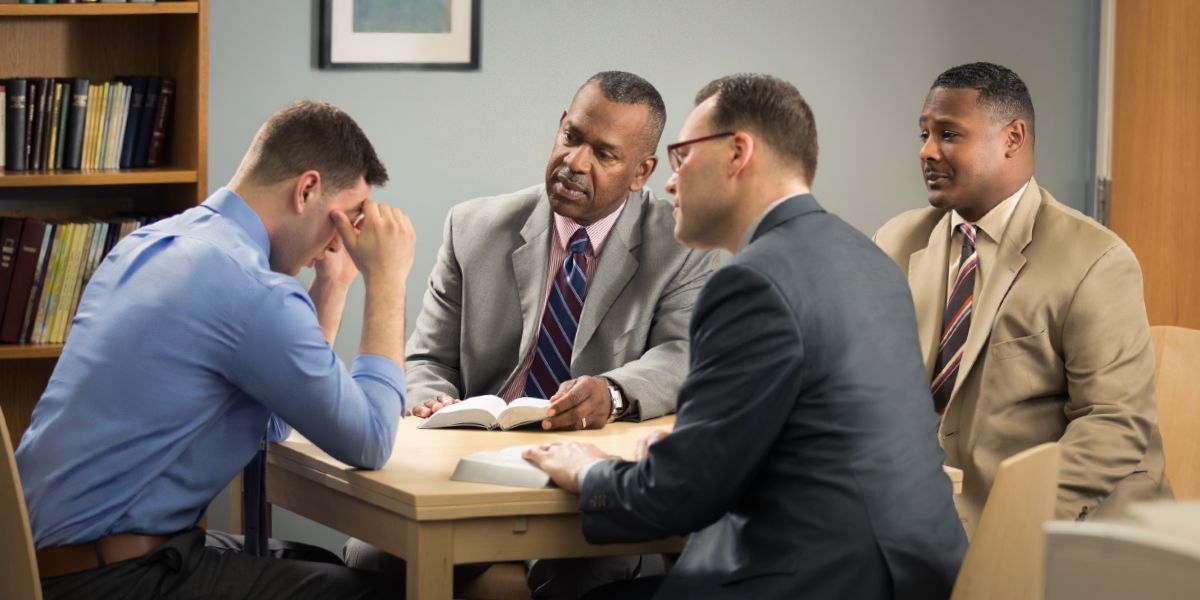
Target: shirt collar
<point x="749" y="233"/>
<point x="597" y="232"/>
<point x="995" y="222"/>
<point x="229" y="204"/>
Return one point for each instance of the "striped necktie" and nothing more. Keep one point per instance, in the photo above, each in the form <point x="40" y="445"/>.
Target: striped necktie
<point x="956" y="323"/>
<point x="560" y="320"/>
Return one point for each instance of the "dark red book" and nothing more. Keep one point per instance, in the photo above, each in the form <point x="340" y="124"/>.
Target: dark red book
<point x="28" y="249"/>
<point x="10" y="236"/>
<point x="162" y="119"/>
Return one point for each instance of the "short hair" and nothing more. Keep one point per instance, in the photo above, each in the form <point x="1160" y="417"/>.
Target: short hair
<point x="307" y="135"/>
<point x="1001" y="91"/>
<point x="627" y="88"/>
<point x="772" y="109"/>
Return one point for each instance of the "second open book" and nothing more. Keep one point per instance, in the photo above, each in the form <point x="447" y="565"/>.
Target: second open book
<point x="489" y="412"/>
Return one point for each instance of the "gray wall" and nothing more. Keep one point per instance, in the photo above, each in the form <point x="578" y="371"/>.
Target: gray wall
<point x="864" y="66"/>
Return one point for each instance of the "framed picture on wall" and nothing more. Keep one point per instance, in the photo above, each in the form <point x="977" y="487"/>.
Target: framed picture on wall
<point x="400" y="34"/>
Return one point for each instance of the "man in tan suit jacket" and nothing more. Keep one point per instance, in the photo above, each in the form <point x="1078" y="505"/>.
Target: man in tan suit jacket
<point x="1057" y="344"/>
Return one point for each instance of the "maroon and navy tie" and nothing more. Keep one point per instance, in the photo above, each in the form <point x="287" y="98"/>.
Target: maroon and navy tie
<point x="556" y="338"/>
<point x="956" y="323"/>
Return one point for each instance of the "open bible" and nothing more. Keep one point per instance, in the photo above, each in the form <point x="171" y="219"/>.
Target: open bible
<point x="501" y="467"/>
<point x="488" y="412"/>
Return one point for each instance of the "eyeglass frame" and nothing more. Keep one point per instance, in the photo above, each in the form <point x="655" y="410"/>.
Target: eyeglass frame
<point x="675" y="161"/>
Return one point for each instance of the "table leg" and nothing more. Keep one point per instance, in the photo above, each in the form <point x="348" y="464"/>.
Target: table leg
<point x="431" y="561"/>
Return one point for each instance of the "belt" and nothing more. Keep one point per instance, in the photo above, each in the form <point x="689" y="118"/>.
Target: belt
<point x="64" y="560"/>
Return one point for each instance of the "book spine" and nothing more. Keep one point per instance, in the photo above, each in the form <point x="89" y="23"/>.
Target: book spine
<point x="10" y="238"/>
<point x="14" y="135"/>
<point x="62" y="294"/>
<point x="50" y="286"/>
<point x="132" y="117"/>
<point x="74" y="281"/>
<point x="3" y="129"/>
<point x="34" y="87"/>
<point x="102" y="137"/>
<point x="37" y="121"/>
<point x="64" y="107"/>
<point x="76" y="122"/>
<point x="94" y="106"/>
<point x="158" y="139"/>
<point x="39" y="281"/>
<point x="54" y="111"/>
<point x="122" y="122"/>
<point x="22" y="280"/>
<point x="145" y="126"/>
<point x="47" y="122"/>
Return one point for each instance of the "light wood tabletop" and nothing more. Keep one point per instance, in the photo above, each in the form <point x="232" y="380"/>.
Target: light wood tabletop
<point x="411" y="508"/>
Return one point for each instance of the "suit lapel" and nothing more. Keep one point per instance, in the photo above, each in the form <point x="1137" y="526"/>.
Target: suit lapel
<point x="999" y="279"/>
<point x="617" y="266"/>
<point x="928" y="270"/>
<point x="529" y="269"/>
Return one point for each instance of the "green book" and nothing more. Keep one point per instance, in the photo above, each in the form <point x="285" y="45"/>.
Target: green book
<point x="63" y="109"/>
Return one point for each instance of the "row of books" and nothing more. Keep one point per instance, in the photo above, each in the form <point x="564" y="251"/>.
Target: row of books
<point x="71" y="123"/>
<point x="44" y="267"/>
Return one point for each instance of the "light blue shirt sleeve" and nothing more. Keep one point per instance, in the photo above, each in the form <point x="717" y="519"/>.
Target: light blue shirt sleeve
<point x="285" y="363"/>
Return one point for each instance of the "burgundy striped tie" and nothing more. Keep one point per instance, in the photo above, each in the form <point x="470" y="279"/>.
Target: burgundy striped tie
<point x="556" y="337"/>
<point x="956" y="323"/>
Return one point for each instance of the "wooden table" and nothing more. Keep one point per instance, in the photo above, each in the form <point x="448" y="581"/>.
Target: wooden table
<point x="411" y="508"/>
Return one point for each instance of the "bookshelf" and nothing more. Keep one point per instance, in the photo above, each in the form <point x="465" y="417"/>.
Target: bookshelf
<point x="101" y="42"/>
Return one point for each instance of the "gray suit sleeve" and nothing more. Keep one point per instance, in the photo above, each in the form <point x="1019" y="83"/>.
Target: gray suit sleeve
<point x="744" y="381"/>
<point x="654" y="379"/>
<point x="433" y="349"/>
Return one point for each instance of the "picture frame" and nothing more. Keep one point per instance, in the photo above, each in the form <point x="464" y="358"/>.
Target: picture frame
<point x="400" y="34"/>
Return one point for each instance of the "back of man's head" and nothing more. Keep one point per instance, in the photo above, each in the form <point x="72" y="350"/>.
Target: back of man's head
<point x="771" y="109"/>
<point x="316" y="136"/>
<point x="627" y="88"/>
<point x="1001" y="91"/>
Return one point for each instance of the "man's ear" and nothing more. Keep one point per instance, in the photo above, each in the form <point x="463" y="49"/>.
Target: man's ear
<point x="644" y="170"/>
<point x="1016" y="135"/>
<point x="743" y="150"/>
<point x="305" y="191"/>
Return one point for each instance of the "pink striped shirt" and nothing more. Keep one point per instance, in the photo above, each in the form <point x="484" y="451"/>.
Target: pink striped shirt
<point x="564" y="228"/>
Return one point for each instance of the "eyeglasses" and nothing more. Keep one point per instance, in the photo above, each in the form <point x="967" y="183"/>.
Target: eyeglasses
<point x="675" y="157"/>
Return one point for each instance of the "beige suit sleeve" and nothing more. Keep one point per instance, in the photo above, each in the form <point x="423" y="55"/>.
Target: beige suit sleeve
<point x="1109" y="363"/>
<point x="433" y="348"/>
<point x="654" y="379"/>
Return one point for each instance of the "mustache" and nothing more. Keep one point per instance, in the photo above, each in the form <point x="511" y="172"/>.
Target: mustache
<point x="567" y="175"/>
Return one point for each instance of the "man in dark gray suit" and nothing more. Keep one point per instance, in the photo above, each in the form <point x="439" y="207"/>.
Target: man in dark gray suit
<point x="804" y="461"/>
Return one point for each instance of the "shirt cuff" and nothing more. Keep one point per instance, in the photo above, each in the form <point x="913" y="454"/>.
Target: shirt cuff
<point x="383" y="370"/>
<point x="583" y="474"/>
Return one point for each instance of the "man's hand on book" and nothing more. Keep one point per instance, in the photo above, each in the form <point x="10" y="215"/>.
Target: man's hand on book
<point x="583" y="403"/>
<point x="426" y="409"/>
<point x="563" y="461"/>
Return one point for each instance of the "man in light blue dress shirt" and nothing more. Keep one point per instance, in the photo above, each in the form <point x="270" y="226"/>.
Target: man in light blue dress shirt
<point x="192" y="341"/>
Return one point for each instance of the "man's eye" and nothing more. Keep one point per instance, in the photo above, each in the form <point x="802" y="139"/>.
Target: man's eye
<point x="568" y="137"/>
<point x="946" y="135"/>
<point x="924" y="135"/>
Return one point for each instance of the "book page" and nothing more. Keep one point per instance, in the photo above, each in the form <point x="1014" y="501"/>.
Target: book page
<point x="522" y="411"/>
<point x="480" y="411"/>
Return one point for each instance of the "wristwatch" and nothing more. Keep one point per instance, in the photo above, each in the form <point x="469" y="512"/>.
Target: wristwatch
<point x="618" y="400"/>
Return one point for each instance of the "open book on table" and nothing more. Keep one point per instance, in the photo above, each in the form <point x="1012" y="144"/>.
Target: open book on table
<point x="501" y="467"/>
<point x="489" y="412"/>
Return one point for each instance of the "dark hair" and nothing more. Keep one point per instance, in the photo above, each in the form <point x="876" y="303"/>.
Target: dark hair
<point x="772" y="109"/>
<point x="627" y="88"/>
<point x="308" y="135"/>
<point x="1001" y="91"/>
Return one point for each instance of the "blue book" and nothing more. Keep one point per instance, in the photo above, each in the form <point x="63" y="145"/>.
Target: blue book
<point x="133" y="119"/>
<point x="145" y="123"/>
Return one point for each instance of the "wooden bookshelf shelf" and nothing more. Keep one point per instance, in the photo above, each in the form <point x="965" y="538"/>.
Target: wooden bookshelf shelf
<point x="11" y="351"/>
<point x="122" y="177"/>
<point x="73" y="10"/>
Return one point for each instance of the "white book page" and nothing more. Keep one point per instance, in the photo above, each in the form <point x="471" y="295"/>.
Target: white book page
<point x="523" y="411"/>
<point x="480" y="411"/>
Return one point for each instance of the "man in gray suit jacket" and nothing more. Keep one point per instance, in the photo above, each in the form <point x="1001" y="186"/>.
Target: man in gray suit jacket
<point x="493" y="321"/>
<point x="804" y="444"/>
